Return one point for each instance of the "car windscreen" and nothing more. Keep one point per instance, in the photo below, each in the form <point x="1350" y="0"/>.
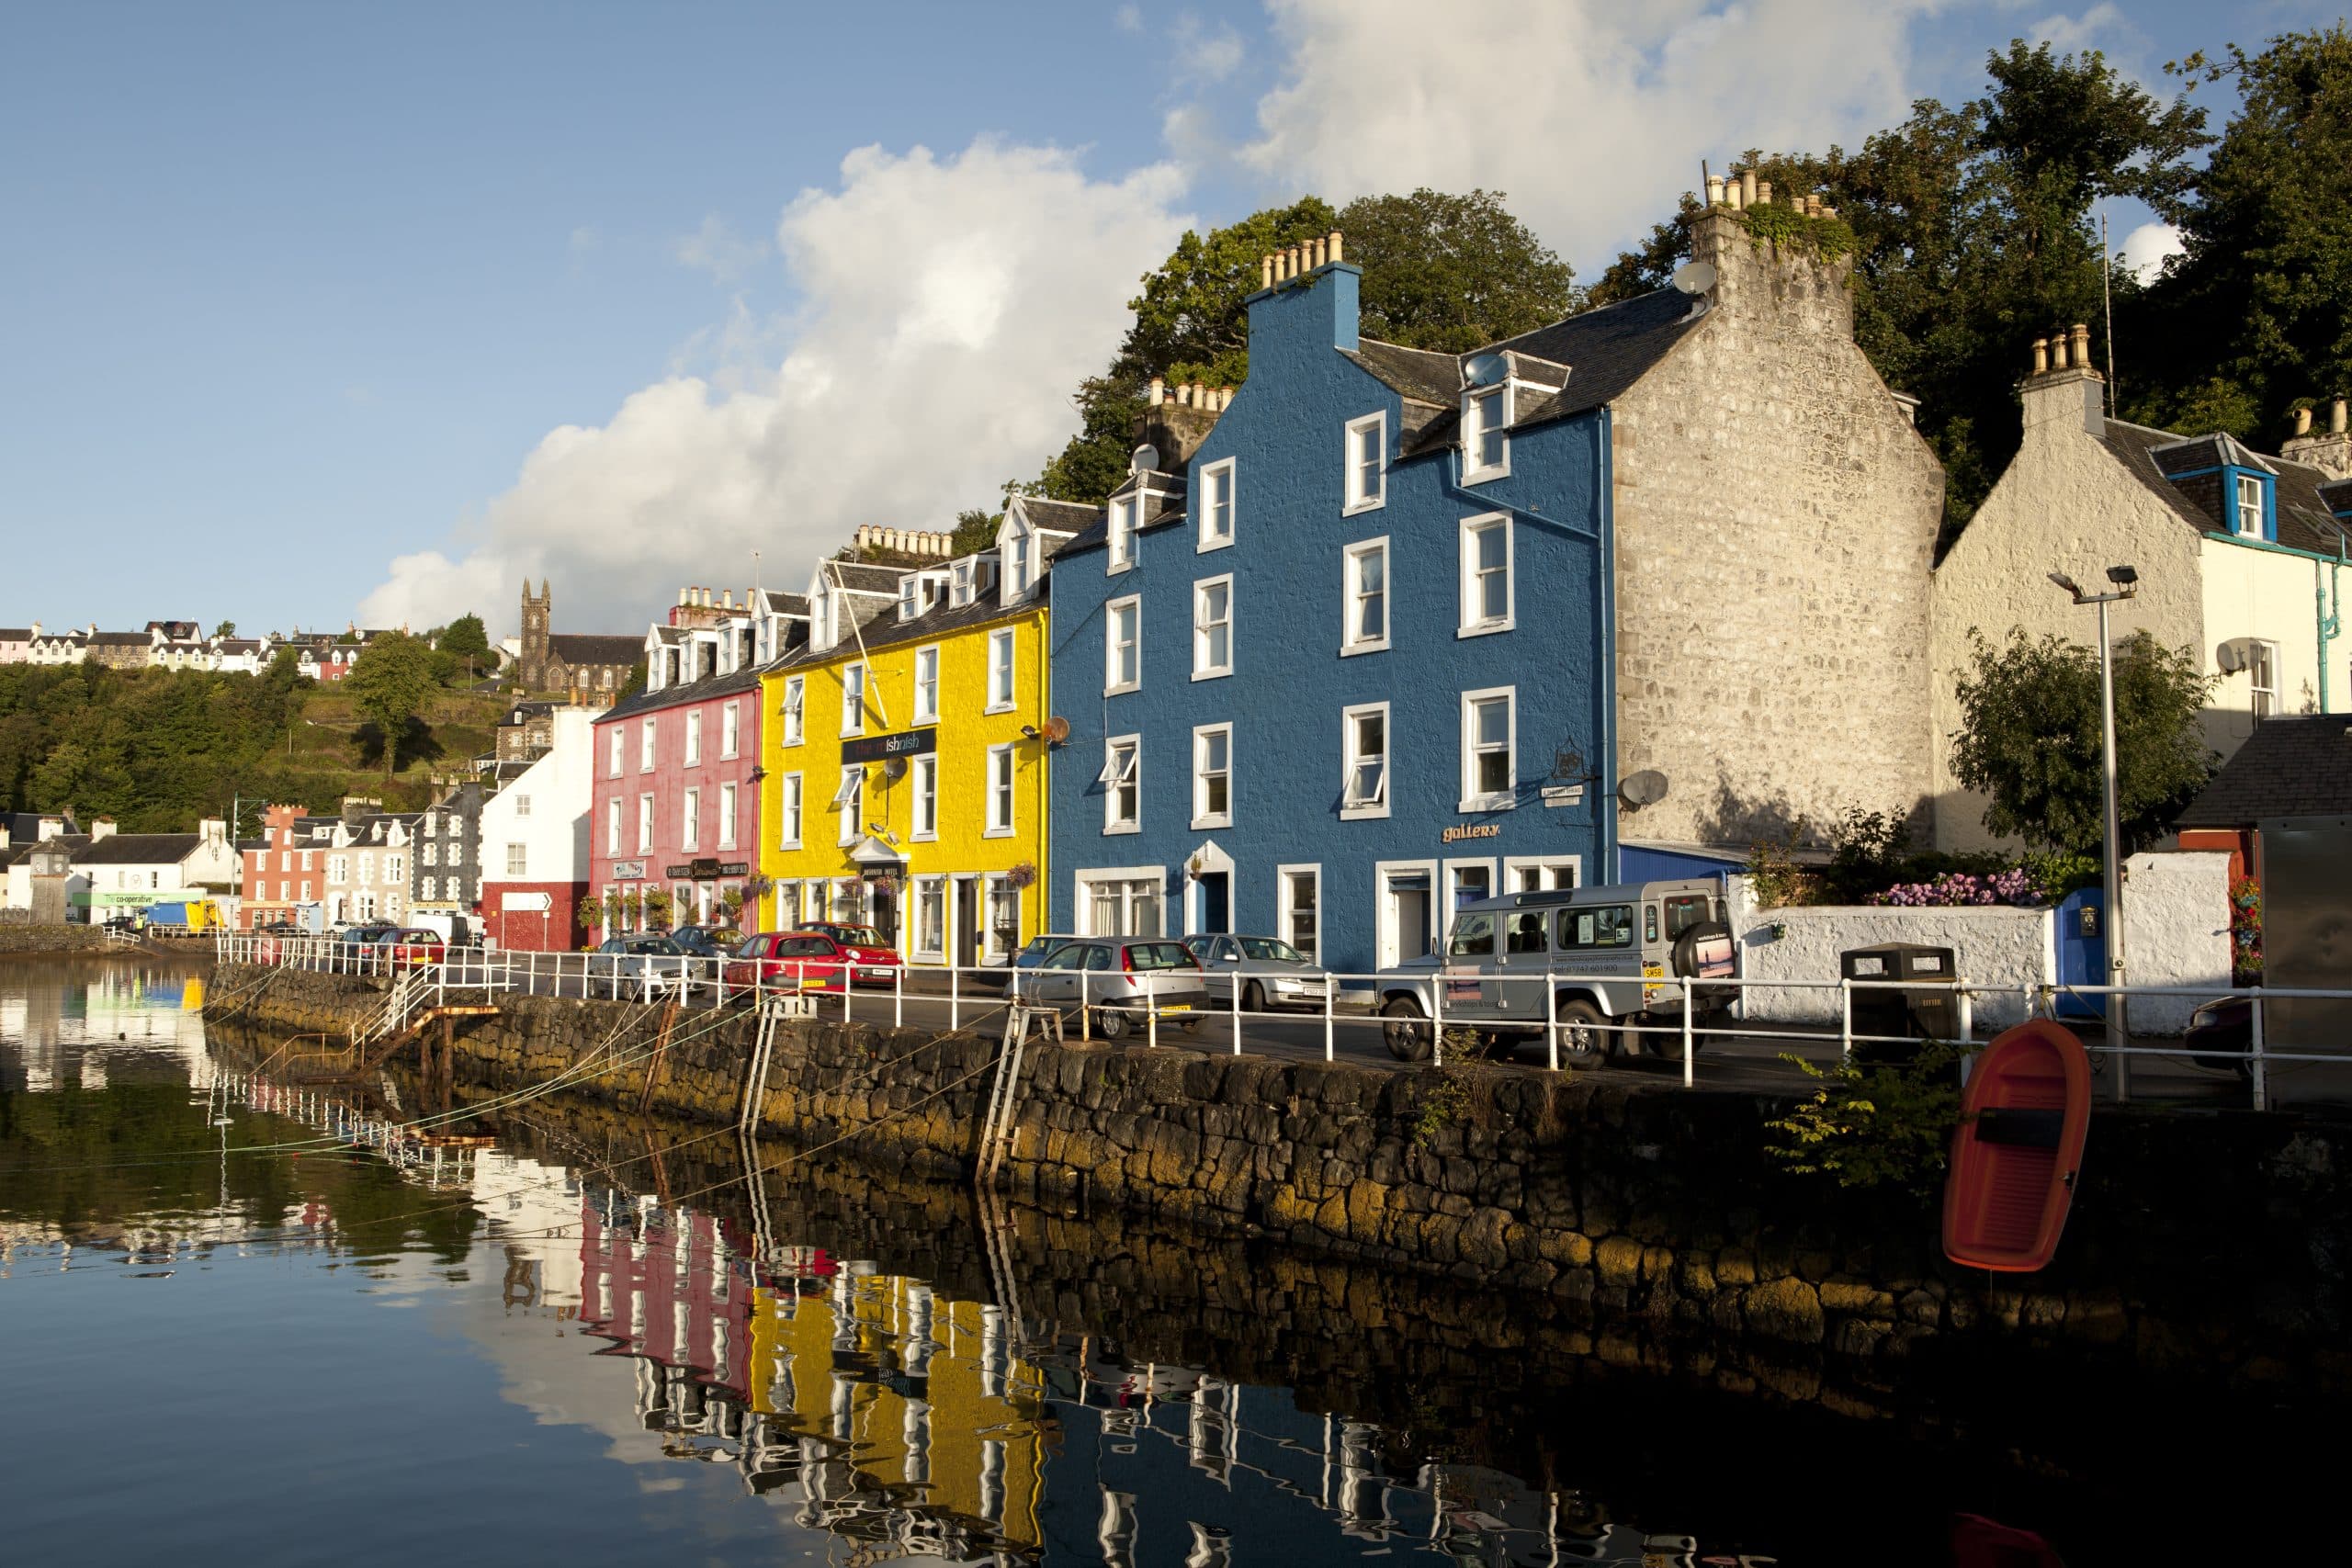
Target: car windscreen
<point x="1144" y="955"/>
<point x="1266" y="950"/>
<point x="859" y="936"/>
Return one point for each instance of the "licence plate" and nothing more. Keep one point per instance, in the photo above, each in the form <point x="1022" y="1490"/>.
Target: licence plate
<point x="1175" y="1006"/>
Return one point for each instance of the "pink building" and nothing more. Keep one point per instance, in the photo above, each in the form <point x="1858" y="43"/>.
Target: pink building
<point x="677" y="797"/>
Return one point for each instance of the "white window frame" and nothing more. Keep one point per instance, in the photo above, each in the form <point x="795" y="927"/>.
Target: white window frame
<point x="1453" y="870"/>
<point x="927" y="691"/>
<point x="1547" y="864"/>
<point x="693" y="738"/>
<point x="1284" y="875"/>
<point x="1014" y="565"/>
<point x="1114" y="776"/>
<point x="729" y="803"/>
<point x="789" y="799"/>
<point x="2248" y="494"/>
<point x="730" y="729"/>
<point x="1002" y="674"/>
<point x="1002" y="793"/>
<point x="644" y="823"/>
<point x="962" y="581"/>
<point x="646" y="745"/>
<point x="1350" y="643"/>
<point x="616" y="751"/>
<point x="518" y="858"/>
<point x="1351" y="810"/>
<point x="690" y="820"/>
<point x="2262" y="700"/>
<point x="1506" y="798"/>
<point x="1474" y="428"/>
<point x="612" y="826"/>
<point x="1471" y="623"/>
<point x="1210" y="537"/>
<point x="856" y="679"/>
<point x="923" y="775"/>
<point x="522" y="806"/>
<point x="927" y="889"/>
<point x="1355" y="496"/>
<point x="1202" y="815"/>
<point x="849" y="799"/>
<point x="1111" y="685"/>
<point x="1202" y="669"/>
<point x="1128" y="877"/>
<point x="794" y="710"/>
<point x="1120" y="522"/>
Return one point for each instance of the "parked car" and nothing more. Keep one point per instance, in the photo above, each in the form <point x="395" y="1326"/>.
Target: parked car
<point x="708" y="942"/>
<point x="1119" y="981"/>
<point x="1270" y="972"/>
<point x="811" y="960"/>
<point x="118" y="923"/>
<point x="2221" y="1035"/>
<point x="416" y="946"/>
<point x="1033" y="954"/>
<point x="1589" y="958"/>
<point x="878" y="963"/>
<point x="642" y="965"/>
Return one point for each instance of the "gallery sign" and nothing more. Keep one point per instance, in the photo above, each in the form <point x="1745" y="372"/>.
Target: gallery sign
<point x="882" y="748"/>
<point x="1462" y="830"/>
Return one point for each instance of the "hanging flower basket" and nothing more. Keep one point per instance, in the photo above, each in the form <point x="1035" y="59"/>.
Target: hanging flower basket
<point x="1022" y="876"/>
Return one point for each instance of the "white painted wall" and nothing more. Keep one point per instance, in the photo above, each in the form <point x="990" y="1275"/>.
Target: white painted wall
<point x="1999" y="947"/>
<point x="554" y="835"/>
<point x="2254" y="592"/>
<point x="2175" y="932"/>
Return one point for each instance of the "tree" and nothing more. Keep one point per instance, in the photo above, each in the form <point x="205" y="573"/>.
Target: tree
<point x="1452" y="272"/>
<point x="2263" y="287"/>
<point x="226" y="628"/>
<point x="1972" y="235"/>
<point x="389" y="682"/>
<point x="976" y="530"/>
<point x="466" y="639"/>
<point x="2030" y="738"/>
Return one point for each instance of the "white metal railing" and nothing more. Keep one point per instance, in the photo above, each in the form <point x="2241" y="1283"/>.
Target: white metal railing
<point x="1334" y="1012"/>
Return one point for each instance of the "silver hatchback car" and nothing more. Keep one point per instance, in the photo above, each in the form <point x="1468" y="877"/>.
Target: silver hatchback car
<point x="1120" y="982"/>
<point x="1270" y="972"/>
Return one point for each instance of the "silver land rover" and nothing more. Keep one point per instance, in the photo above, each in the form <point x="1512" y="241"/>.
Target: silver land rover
<point x="1584" y="960"/>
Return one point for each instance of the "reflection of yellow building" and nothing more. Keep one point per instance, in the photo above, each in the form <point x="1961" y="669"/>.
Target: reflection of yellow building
<point x="921" y="1397"/>
<point x="901" y="789"/>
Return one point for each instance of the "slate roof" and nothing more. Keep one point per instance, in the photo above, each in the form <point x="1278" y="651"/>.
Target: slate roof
<point x="1163" y="504"/>
<point x="120" y="640"/>
<point x="596" y="647"/>
<point x="859" y="579"/>
<point x="139" y="849"/>
<point x="936" y="622"/>
<point x="744" y="680"/>
<point x="1061" y="517"/>
<point x="2153" y="455"/>
<point x="16" y="634"/>
<point x="74" y="843"/>
<point x="2298" y="766"/>
<point x="779" y="603"/>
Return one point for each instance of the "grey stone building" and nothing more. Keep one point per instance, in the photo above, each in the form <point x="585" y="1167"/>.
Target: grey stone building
<point x="446" y="870"/>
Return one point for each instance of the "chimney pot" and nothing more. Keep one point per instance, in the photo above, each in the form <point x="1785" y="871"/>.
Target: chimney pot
<point x="1747" y="188"/>
<point x="1337" y="242"/>
<point x="1159" y="387"/>
<point x="2081" y="345"/>
<point x="1265" y="272"/>
<point x="2303" y="421"/>
<point x="1714" y="190"/>
<point x="2041" y="356"/>
<point x="2335" y="417"/>
<point x="1764" y="192"/>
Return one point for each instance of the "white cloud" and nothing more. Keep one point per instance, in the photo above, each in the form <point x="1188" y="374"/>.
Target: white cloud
<point x="2073" y="35"/>
<point x="1593" y="115"/>
<point x="717" y="249"/>
<point x="950" y="305"/>
<point x="2146" y="248"/>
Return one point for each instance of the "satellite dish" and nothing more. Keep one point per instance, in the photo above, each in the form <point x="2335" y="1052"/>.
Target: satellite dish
<point x="1695" y="277"/>
<point x="896" y="768"/>
<point x="2231" y="657"/>
<point x="1485" y="369"/>
<point x="1055" y="730"/>
<point x="1645" y="788"/>
<point x="1144" y="460"/>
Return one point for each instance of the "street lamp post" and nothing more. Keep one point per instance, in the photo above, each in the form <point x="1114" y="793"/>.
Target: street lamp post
<point x="2127" y="583"/>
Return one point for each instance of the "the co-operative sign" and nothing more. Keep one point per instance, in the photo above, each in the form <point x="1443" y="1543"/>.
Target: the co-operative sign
<point x="882" y="748"/>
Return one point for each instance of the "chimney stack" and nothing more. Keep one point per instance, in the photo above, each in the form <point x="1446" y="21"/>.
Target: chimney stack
<point x="1746" y="189"/>
<point x="2041" y="356"/>
<point x="2303" y="421"/>
<point x="2335" y="417"/>
<point x="2331" y="453"/>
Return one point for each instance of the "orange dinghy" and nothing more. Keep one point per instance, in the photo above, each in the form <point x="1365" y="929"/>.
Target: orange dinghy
<point x="2018" y="1146"/>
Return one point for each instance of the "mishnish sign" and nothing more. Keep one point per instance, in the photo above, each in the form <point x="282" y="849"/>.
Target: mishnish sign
<point x="882" y="748"/>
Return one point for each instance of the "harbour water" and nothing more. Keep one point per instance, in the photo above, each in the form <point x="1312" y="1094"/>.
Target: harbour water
<point x="265" y="1322"/>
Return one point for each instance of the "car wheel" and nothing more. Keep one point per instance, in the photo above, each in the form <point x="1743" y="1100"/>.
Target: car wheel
<point x="1254" y="997"/>
<point x="1585" y="1031"/>
<point x="1112" y="1023"/>
<point x="1407" y="1033"/>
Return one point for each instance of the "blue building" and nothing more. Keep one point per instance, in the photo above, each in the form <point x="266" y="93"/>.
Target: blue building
<point x="1337" y="658"/>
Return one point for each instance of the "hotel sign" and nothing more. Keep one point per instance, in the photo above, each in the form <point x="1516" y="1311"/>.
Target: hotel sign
<point x="882" y="748"/>
<point x="628" y="871"/>
<point x="708" y="866"/>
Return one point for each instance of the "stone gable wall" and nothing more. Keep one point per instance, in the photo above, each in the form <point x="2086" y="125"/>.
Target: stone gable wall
<point x="1776" y="517"/>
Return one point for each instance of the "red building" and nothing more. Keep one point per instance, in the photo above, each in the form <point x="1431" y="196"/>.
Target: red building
<point x="280" y="872"/>
<point x="676" y="809"/>
<point x="534" y="845"/>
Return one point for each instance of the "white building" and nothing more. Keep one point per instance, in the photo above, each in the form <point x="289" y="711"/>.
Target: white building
<point x="127" y="872"/>
<point x="535" y="843"/>
<point x="2237" y="553"/>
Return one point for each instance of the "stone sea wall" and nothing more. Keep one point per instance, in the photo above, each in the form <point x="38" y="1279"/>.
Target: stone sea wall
<point x="45" y="940"/>
<point x="2211" y="1246"/>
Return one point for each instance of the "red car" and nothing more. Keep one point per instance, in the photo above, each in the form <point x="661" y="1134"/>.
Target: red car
<point x="878" y="963"/>
<point x="416" y="947"/>
<point x="813" y="960"/>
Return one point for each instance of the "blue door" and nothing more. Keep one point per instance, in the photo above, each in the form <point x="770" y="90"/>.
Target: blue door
<point x="2082" y="951"/>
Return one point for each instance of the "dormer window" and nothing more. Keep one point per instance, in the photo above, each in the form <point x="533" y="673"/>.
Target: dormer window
<point x="1122" y="533"/>
<point x="2250" y="506"/>
<point x="1486" y="442"/>
<point x="1016" y="565"/>
<point x="964" y="575"/>
<point x="909" y="597"/>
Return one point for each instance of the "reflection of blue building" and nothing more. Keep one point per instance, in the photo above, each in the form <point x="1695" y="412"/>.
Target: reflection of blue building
<point x="1337" y="657"/>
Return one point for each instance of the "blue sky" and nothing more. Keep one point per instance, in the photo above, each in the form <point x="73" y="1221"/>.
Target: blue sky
<point x="310" y="312"/>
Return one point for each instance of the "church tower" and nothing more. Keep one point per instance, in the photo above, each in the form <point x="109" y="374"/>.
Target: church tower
<point x="535" y="613"/>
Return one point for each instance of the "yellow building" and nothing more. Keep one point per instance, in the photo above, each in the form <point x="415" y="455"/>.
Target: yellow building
<point x="906" y="777"/>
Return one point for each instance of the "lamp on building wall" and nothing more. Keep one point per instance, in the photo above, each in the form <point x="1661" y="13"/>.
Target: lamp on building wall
<point x="2126" y="584"/>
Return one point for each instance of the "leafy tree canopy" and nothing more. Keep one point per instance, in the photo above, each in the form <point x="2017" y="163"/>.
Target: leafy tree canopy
<point x="2030" y="738"/>
<point x="466" y="639"/>
<point x="1439" y="271"/>
<point x="389" y="682"/>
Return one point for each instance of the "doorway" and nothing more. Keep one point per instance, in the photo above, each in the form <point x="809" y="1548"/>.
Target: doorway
<point x="1216" y="902"/>
<point x="1404" y="917"/>
<point x="885" y="904"/>
<point x="968" y="915"/>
